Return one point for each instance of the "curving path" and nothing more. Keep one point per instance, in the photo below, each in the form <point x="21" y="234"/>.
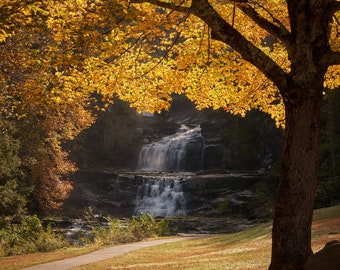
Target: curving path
<point x="106" y="253"/>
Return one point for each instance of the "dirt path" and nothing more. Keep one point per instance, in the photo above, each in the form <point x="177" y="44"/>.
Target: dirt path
<point x="106" y="253"/>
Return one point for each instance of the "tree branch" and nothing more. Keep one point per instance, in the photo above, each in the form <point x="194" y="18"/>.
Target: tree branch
<point x="280" y="32"/>
<point x="224" y="32"/>
<point x="171" y="6"/>
<point x="335" y="7"/>
<point x="163" y="57"/>
<point x="330" y="59"/>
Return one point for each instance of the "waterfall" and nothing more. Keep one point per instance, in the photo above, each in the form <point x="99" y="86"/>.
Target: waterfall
<point x="168" y="154"/>
<point x="160" y="197"/>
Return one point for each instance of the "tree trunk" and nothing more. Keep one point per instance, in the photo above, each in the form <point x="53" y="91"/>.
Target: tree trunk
<point x="294" y="208"/>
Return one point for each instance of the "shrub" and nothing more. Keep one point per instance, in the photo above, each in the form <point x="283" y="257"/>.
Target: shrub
<point x="116" y="233"/>
<point x="127" y="231"/>
<point x="27" y="237"/>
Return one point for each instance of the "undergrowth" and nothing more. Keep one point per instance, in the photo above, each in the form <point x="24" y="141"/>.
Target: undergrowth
<point x="29" y="236"/>
<point x="130" y="230"/>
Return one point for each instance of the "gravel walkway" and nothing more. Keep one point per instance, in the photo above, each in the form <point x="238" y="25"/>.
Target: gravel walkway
<point x="106" y="253"/>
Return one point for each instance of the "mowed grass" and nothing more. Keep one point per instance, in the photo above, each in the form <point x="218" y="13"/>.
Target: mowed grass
<point x="21" y="261"/>
<point x="249" y="249"/>
<point x="221" y="252"/>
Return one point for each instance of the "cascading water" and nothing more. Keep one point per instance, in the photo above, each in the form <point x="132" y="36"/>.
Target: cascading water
<point x="163" y="196"/>
<point x="168" y="154"/>
<point x="160" y="197"/>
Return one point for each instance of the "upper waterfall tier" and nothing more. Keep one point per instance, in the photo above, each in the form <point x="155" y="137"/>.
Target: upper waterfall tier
<point x="169" y="153"/>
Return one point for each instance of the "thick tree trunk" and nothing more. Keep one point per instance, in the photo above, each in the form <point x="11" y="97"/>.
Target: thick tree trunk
<point x="303" y="99"/>
<point x="294" y="209"/>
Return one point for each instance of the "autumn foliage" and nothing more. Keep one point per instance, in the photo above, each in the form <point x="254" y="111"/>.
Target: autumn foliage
<point x="45" y="110"/>
<point x="276" y="56"/>
<point x="56" y="54"/>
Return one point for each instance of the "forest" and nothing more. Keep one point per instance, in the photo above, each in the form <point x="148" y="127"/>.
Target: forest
<point x="65" y="62"/>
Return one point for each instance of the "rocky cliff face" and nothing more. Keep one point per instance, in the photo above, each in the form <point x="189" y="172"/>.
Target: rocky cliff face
<point x="108" y="152"/>
<point x="103" y="192"/>
<point x="229" y="142"/>
<point x="115" y="194"/>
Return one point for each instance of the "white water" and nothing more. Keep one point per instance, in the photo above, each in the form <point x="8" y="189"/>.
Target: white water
<point x="168" y="154"/>
<point x="160" y="198"/>
<point x="163" y="196"/>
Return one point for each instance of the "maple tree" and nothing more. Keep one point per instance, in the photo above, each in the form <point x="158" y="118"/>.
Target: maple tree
<point x="276" y="56"/>
<point x="45" y="110"/>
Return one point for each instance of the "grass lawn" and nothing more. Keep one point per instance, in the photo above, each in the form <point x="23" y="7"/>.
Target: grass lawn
<point x="249" y="249"/>
<point x="21" y="261"/>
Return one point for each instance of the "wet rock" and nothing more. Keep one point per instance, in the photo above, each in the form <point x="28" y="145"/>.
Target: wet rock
<point x="214" y="195"/>
<point x="106" y="193"/>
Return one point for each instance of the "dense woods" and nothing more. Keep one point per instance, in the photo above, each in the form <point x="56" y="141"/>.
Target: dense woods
<point x="63" y="60"/>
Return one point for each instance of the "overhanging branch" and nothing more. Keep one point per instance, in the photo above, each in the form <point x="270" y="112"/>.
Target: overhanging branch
<point x="224" y="32"/>
<point x="279" y="31"/>
<point x="330" y="59"/>
<point x="171" y="6"/>
<point x="335" y="7"/>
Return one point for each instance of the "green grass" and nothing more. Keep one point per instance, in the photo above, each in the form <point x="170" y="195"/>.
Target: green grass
<point x="325" y="213"/>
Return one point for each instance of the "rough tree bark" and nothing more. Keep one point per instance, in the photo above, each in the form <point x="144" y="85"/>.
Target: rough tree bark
<point x="303" y="99"/>
<point x="294" y="207"/>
